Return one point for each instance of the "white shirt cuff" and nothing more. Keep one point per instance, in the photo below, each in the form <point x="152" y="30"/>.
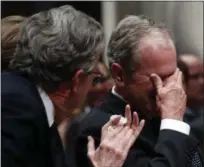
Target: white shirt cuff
<point x="176" y="125"/>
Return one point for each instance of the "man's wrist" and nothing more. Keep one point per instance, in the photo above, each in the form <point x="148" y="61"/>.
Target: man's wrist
<point x="179" y="118"/>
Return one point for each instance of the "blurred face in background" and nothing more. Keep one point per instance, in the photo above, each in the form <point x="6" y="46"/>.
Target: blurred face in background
<point x="195" y="86"/>
<point x="100" y="86"/>
<point x="184" y="69"/>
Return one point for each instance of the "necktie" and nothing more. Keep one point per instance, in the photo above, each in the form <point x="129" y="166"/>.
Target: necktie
<point x="193" y="158"/>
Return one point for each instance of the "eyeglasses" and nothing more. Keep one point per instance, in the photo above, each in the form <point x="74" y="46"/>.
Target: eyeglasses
<point x="100" y="79"/>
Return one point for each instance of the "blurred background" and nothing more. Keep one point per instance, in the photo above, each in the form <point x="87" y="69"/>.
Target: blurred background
<point x="183" y="19"/>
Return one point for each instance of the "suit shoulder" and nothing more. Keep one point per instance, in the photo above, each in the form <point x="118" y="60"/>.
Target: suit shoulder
<point x="18" y="95"/>
<point x="11" y="82"/>
<point x="93" y="121"/>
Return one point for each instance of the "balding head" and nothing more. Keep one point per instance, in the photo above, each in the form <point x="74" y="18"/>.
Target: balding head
<point x="157" y="38"/>
<point x="154" y="43"/>
<point x="125" y="41"/>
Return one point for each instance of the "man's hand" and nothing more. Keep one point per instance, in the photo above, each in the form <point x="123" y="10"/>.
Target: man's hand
<point x="171" y="97"/>
<point x="117" y="139"/>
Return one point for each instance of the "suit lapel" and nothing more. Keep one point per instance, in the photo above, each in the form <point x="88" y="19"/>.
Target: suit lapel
<point x="114" y="105"/>
<point x="56" y="148"/>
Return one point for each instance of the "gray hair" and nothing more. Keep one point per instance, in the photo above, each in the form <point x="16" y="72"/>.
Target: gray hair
<point x="55" y="43"/>
<point x="125" y="39"/>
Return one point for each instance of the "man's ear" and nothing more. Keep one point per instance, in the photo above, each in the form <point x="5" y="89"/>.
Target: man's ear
<point x="117" y="74"/>
<point x="77" y="80"/>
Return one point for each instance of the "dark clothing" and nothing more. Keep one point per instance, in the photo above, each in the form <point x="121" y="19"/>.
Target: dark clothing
<point x="153" y="148"/>
<point x="196" y="120"/>
<point x="27" y="139"/>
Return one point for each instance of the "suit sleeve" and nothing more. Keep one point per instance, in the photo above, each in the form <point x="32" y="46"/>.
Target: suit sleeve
<point x="168" y="152"/>
<point x="17" y="129"/>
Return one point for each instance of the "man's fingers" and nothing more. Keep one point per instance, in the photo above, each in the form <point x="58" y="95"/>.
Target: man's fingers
<point x="141" y="125"/>
<point x="173" y="78"/>
<point x="132" y="137"/>
<point x="91" y="147"/>
<point x="175" y="75"/>
<point x="121" y="138"/>
<point x="135" y="122"/>
<point x="114" y="120"/>
<point x="125" y="138"/>
<point x="131" y="140"/>
<point x="180" y="78"/>
<point x="128" y="114"/>
<point x="113" y="131"/>
<point x="138" y="129"/>
<point x="157" y="82"/>
<point x="136" y="132"/>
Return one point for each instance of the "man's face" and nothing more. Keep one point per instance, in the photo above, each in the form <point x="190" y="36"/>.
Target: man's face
<point x="70" y="97"/>
<point x="78" y="98"/>
<point x="139" y="88"/>
<point x="100" y="86"/>
<point x="195" y="87"/>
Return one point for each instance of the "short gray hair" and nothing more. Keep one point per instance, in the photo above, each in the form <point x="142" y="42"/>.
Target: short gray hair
<point x="124" y="41"/>
<point x="55" y="43"/>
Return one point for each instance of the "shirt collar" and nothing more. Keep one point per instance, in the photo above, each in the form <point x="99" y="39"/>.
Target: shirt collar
<point x="117" y="95"/>
<point x="49" y="107"/>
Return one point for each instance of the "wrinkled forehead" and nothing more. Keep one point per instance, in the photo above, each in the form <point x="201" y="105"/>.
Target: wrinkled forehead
<point x="158" y="57"/>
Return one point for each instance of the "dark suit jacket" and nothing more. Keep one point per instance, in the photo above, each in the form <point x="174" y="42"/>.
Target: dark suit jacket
<point x="196" y="120"/>
<point x="153" y="148"/>
<point x="27" y="140"/>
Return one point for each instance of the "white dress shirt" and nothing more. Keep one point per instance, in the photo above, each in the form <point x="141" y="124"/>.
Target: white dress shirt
<point x="49" y="107"/>
<point x="170" y="124"/>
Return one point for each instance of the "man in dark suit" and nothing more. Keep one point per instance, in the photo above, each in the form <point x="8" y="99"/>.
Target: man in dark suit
<point x="192" y="68"/>
<point x="137" y="49"/>
<point x="53" y="68"/>
<point x="49" y="68"/>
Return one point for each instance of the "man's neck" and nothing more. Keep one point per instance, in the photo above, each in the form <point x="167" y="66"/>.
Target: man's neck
<point x="62" y="129"/>
<point x="62" y="114"/>
<point x="142" y="112"/>
<point x="118" y="93"/>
